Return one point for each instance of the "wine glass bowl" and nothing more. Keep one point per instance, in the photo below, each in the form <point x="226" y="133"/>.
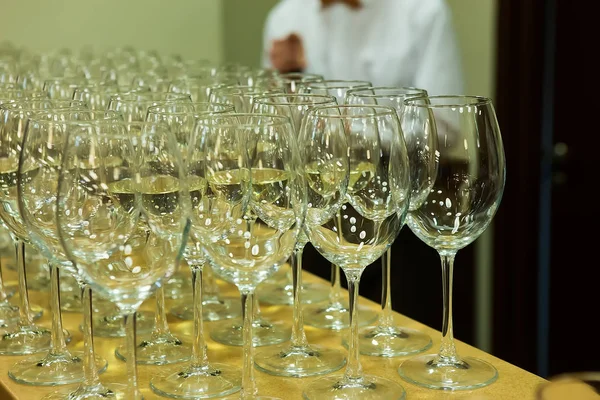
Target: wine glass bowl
<point x="465" y="195"/>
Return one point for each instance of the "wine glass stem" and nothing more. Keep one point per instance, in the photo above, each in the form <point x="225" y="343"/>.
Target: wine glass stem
<point x="386" y="318"/>
<point x="298" y="334"/>
<point x="25" y="317"/>
<point x="447" y="348"/>
<point x="199" y="357"/>
<point x="58" y="345"/>
<point x="335" y="294"/>
<point x="210" y="289"/>
<point x="132" y="389"/>
<point x="160" y="320"/>
<point x="3" y="296"/>
<point x="90" y="373"/>
<point x="249" y="388"/>
<point x="353" y="369"/>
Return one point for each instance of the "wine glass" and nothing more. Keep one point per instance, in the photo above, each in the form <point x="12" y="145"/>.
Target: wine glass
<point x="294" y="106"/>
<point x="466" y="192"/>
<point x="199" y="378"/>
<point x="62" y="88"/>
<point x="199" y="88"/>
<point x="180" y="118"/>
<point x="43" y="146"/>
<point x="373" y="212"/>
<point x="120" y="220"/>
<point x="25" y="338"/>
<point x="250" y="216"/>
<point x="387" y="339"/>
<point x="335" y="88"/>
<point x="134" y="105"/>
<point x="292" y="82"/>
<point x="160" y="346"/>
<point x="240" y="97"/>
<point x="97" y="97"/>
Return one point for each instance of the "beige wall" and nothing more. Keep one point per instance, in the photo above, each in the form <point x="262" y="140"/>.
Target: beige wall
<point x="192" y="28"/>
<point x="475" y="24"/>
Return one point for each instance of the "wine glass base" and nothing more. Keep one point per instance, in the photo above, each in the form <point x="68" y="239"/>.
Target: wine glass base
<point x="52" y="369"/>
<point x="391" y="341"/>
<point x="214" y="380"/>
<point x="265" y="333"/>
<point x="98" y="392"/>
<point x="25" y="340"/>
<point x="158" y="350"/>
<point x="212" y="310"/>
<point x="336" y="316"/>
<point x="434" y="372"/>
<point x="366" y="388"/>
<point x="299" y="361"/>
<point x="279" y="293"/>
<point x="112" y="325"/>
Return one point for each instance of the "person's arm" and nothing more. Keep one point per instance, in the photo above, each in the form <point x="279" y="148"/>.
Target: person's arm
<point x="439" y="69"/>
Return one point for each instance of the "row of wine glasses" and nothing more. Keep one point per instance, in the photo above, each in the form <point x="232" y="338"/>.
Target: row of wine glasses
<point x="117" y="193"/>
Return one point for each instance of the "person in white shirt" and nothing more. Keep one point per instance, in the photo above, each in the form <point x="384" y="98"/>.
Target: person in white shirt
<point x="385" y="42"/>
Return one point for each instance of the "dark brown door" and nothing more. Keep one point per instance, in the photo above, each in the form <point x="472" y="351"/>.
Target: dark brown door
<point x="545" y="269"/>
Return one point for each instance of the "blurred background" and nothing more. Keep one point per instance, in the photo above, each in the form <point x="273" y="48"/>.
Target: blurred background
<point x="525" y="291"/>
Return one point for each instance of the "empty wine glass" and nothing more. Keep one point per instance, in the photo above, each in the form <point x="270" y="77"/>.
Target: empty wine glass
<point x="181" y="118"/>
<point x="249" y="218"/>
<point x="105" y="186"/>
<point x="37" y="178"/>
<point x="292" y="82"/>
<point x="387" y="339"/>
<point x="466" y="192"/>
<point x="25" y="338"/>
<point x="134" y="105"/>
<point x="200" y="378"/>
<point x="335" y="88"/>
<point x="240" y="97"/>
<point x="160" y="346"/>
<point x="373" y="212"/>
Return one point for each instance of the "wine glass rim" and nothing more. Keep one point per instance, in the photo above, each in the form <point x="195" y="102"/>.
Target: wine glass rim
<point x="394" y="92"/>
<point x="111" y="116"/>
<point x="338" y="84"/>
<point x="269" y="120"/>
<point x="266" y="99"/>
<point x="224" y="108"/>
<point x="134" y="96"/>
<point x="449" y="101"/>
<point x="377" y="111"/>
<point x="25" y="104"/>
<point x="261" y="91"/>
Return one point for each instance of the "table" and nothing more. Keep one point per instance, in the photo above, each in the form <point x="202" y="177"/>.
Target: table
<point x="513" y="382"/>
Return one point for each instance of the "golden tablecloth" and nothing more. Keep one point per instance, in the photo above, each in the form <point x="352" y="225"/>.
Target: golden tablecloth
<point x="513" y="382"/>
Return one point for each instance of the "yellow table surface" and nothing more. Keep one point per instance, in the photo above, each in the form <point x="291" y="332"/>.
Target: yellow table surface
<point x="513" y="382"/>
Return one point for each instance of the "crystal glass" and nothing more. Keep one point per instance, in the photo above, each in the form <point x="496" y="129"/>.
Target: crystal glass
<point x="120" y="220"/>
<point x="292" y="82"/>
<point x="299" y="359"/>
<point x="97" y="97"/>
<point x="250" y="217"/>
<point x="134" y="105"/>
<point x="466" y="192"/>
<point x="335" y="88"/>
<point x="200" y="378"/>
<point x="386" y="339"/>
<point x="294" y="106"/>
<point x="160" y="346"/>
<point x="199" y="88"/>
<point x="25" y="337"/>
<point x="63" y="88"/>
<point x="37" y="179"/>
<point x="370" y="218"/>
<point x="240" y="97"/>
<point x="181" y="118"/>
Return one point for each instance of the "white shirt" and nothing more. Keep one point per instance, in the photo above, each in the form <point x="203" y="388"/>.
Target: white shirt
<point x="386" y="42"/>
